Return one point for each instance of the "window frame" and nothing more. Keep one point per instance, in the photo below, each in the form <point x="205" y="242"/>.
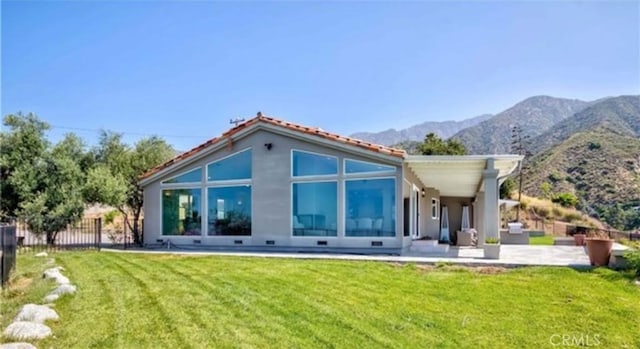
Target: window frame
<point x="337" y="182"/>
<point x="392" y="170"/>
<point x="191" y="187"/>
<point x="225" y="184"/>
<point x="295" y="178"/>
<point x="435" y="204"/>
<point x="344" y="207"/>
<point x="164" y="184"/>
<point x="231" y="181"/>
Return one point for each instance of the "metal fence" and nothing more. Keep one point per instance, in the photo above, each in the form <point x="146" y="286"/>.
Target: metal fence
<point x="7" y="252"/>
<point x="613" y="234"/>
<point x="84" y="234"/>
<point x="119" y="233"/>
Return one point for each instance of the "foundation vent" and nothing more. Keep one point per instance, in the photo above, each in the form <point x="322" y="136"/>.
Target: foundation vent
<point x="376" y="243"/>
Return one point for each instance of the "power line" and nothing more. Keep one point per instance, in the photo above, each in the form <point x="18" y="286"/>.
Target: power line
<point x="124" y="132"/>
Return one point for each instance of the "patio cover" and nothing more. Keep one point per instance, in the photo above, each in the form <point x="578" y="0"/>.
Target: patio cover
<point x="458" y="175"/>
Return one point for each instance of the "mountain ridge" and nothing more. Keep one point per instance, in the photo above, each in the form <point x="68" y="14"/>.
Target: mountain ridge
<point x="443" y="129"/>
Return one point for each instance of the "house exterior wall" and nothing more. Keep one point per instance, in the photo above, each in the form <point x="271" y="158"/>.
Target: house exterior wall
<point x="428" y="225"/>
<point x="271" y="185"/>
<point x="454" y="206"/>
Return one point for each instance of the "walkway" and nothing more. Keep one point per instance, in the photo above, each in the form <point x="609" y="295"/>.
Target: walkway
<point x="510" y="256"/>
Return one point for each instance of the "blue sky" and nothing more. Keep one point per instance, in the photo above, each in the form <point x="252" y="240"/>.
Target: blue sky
<point x="186" y="68"/>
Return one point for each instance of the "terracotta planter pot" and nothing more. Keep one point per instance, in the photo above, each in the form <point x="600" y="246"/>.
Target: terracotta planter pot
<point x="599" y="251"/>
<point x="579" y="239"/>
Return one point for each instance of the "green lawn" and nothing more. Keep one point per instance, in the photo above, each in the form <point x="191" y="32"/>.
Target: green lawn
<point x="165" y="301"/>
<point x="541" y="240"/>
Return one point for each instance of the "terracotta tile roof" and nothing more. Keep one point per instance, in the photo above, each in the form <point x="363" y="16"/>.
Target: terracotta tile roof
<point x="281" y="123"/>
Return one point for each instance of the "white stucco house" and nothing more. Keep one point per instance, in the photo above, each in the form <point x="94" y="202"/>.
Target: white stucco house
<point x="269" y="184"/>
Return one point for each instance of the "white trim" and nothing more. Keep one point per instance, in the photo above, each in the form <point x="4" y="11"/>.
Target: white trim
<point x="293" y="177"/>
<point x="414" y="231"/>
<point x="206" y="167"/>
<point x="435" y="203"/>
<point x="392" y="169"/>
<point x="162" y="183"/>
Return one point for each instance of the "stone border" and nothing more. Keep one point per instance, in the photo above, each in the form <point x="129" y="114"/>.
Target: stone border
<point x="29" y="323"/>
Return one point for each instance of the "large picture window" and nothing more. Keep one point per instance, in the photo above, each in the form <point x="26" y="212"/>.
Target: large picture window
<point x="315" y="209"/>
<point x="370" y="207"/>
<point x="229" y="210"/>
<point x="181" y="211"/>
<point x="310" y="164"/>
<point x="234" y="167"/>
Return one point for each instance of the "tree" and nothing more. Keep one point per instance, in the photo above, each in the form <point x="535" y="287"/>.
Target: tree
<point x="114" y="179"/>
<point x="434" y="145"/>
<point x="58" y="202"/>
<point x="21" y="151"/>
<point x="507" y="187"/>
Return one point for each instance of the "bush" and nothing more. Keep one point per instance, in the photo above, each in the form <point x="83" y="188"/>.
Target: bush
<point x="633" y="260"/>
<point x="557" y="213"/>
<point x="566" y="199"/>
<point x="572" y="217"/>
<point x="110" y="216"/>
<point x="542" y="212"/>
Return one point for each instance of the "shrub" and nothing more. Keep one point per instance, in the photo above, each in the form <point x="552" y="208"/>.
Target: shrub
<point x="633" y="260"/>
<point x="556" y="212"/>
<point x="566" y="199"/>
<point x="594" y="145"/>
<point x="492" y="240"/>
<point x="110" y="216"/>
<point x="555" y="177"/>
<point x="572" y="217"/>
<point x="542" y="212"/>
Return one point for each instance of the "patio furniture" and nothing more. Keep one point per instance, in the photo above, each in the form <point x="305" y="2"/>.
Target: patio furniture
<point x="468" y="237"/>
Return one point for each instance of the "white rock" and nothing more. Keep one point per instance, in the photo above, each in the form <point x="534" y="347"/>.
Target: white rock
<point x="17" y="345"/>
<point x="56" y="275"/>
<point x="64" y="289"/>
<point x="41" y="254"/>
<point x="36" y="313"/>
<point x="51" y="298"/>
<point x="25" y="330"/>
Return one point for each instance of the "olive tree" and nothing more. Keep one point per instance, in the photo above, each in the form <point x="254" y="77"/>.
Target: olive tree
<point x="114" y="179"/>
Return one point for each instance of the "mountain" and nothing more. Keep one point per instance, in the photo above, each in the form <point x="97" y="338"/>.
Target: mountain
<point x="443" y="129"/>
<point x="595" y="154"/>
<point x="534" y="116"/>
<point x="619" y="115"/>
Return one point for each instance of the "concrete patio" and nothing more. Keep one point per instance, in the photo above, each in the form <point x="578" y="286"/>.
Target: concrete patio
<point x="510" y="255"/>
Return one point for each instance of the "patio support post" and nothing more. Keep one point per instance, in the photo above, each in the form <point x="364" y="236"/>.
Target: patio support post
<point x="491" y="226"/>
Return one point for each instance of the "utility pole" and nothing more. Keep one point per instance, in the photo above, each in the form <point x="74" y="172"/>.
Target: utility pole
<point x="517" y="147"/>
